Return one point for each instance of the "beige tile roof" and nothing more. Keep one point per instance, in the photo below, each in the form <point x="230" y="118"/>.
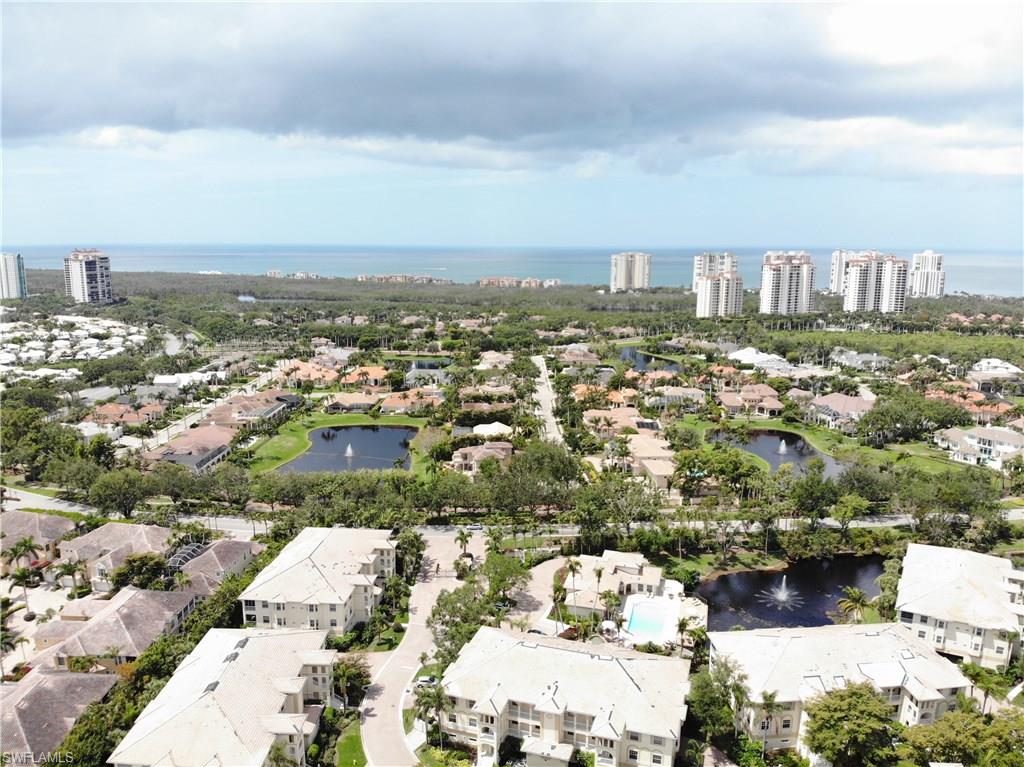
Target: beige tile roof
<point x="114" y="541"/>
<point x="42" y="528"/>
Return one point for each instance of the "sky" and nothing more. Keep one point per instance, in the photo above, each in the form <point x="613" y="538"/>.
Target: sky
<point x="864" y="124"/>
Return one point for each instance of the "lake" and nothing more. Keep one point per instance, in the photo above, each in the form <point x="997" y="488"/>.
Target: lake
<point x="641" y="359"/>
<point x="350" y="448"/>
<point x="812" y="587"/>
<point x="768" y="444"/>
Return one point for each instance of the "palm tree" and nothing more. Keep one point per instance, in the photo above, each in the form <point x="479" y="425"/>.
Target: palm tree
<point x="558" y="599"/>
<point x="8" y="644"/>
<point x="682" y="626"/>
<point x="23" y="577"/>
<point x="182" y="580"/>
<point x="349" y="672"/>
<point x="71" y="570"/>
<point x="573" y="567"/>
<point x="25" y="548"/>
<point x="495" y="535"/>
<point x="598" y="572"/>
<point x="853" y="604"/>
<point x="620" y="621"/>
<point x="769" y="707"/>
<point x="433" y="700"/>
<point x="277" y="756"/>
<point x="462" y="538"/>
<point x="610" y="600"/>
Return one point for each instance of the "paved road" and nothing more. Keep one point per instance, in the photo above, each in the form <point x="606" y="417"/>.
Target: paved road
<point x="382" y="728"/>
<point x="546" y="402"/>
<point x="29" y="500"/>
<point x="166" y="434"/>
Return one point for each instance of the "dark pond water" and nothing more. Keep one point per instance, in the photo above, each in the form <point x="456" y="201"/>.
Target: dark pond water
<point x="760" y="599"/>
<point x="349" y="448"/>
<point x="641" y="359"/>
<point x="767" y="443"/>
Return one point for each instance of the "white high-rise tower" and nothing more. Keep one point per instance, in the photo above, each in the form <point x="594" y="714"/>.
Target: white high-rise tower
<point x="718" y="285"/>
<point x="87" y="277"/>
<point x="787" y="282"/>
<point x="927" y="278"/>
<point x="630" y="271"/>
<point x="876" y="283"/>
<point x="12" y="276"/>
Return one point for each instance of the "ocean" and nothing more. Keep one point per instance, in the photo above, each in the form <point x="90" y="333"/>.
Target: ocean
<point x="978" y="271"/>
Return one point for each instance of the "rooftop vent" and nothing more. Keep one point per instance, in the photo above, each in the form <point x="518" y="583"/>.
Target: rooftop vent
<point x="211" y="687"/>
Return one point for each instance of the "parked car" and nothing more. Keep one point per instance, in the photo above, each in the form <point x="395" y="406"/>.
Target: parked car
<point x="476" y="527"/>
<point x="426" y="681"/>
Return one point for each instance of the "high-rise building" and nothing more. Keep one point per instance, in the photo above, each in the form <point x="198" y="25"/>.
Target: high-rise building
<point x="708" y="264"/>
<point x="840" y="260"/>
<point x="720" y="295"/>
<point x="87" y="277"/>
<point x="787" y="282"/>
<point x="927" y="279"/>
<point x="718" y="285"/>
<point x="630" y="271"/>
<point x="876" y="283"/>
<point x="12" y="276"/>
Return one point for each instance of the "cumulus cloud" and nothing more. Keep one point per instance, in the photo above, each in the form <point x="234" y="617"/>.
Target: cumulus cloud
<point x="864" y="88"/>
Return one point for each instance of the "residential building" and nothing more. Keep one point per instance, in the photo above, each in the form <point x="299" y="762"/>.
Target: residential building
<point x="875" y="283"/>
<point x="963" y="603"/>
<point x="12" y="276"/>
<point x="122" y="630"/>
<point x="45" y="530"/>
<point x="837" y="271"/>
<point x="557" y="696"/>
<point x="326" y="578"/>
<point x="860" y="360"/>
<point x="491" y="360"/>
<point x="468" y="459"/>
<point x="87" y="277"/>
<point x="578" y="354"/>
<point x="351" y="402"/>
<point x="609" y="422"/>
<point x="105" y="549"/>
<point x="113" y="413"/>
<point x="411" y="400"/>
<point x="198" y="449"/>
<point x="927" y="278"/>
<point x="709" y="264"/>
<point x="630" y="271"/>
<point x="757" y="399"/>
<point x="220" y="559"/>
<point x="684" y="397"/>
<point x="365" y="375"/>
<point x="787" y="282"/>
<point x="800" y="664"/>
<point x="838" y="411"/>
<point x="719" y="295"/>
<point x="251" y="411"/>
<point x="294" y="373"/>
<point x="995" y="375"/>
<point x="983" y="408"/>
<point x="234" y="697"/>
<point x="623" y="572"/>
<point x="40" y="710"/>
<point x="992" y="446"/>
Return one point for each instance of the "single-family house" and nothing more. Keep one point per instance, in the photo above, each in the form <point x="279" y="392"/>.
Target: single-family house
<point x="105" y="549"/>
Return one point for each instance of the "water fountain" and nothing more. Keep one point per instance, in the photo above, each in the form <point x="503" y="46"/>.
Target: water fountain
<point x="781" y="597"/>
<point x="783" y="449"/>
<point x="349" y="452"/>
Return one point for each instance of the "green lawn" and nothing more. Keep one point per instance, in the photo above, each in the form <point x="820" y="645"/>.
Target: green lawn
<point x="350" y="747"/>
<point x="32" y="487"/>
<point x="871" y="615"/>
<point x="292" y="438"/>
<point x="738" y="560"/>
<point x="408" y="718"/>
<point x="389" y="639"/>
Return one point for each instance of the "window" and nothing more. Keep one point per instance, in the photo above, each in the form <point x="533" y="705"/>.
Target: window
<point x="655" y="758"/>
<point x="334" y="623"/>
<point x="451" y="719"/>
<point x="634" y="736"/>
<point x="923" y="619"/>
<point x="333" y="608"/>
<point x="978" y="631"/>
<point x="279" y="621"/>
<point x="279" y="606"/>
<point x="311" y="608"/>
<point x="907" y="617"/>
<point x="999" y="650"/>
<point x="472" y="722"/>
<point x="764" y="724"/>
<point x="940" y="624"/>
<point x="266" y="619"/>
<point x="657" y="740"/>
<point x="787" y="723"/>
<point x="921" y="634"/>
<point x="633" y="754"/>
<point x="265" y="604"/>
<point x="250" y="603"/>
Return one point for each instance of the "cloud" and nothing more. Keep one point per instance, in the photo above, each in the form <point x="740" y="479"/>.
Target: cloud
<point x="863" y="88"/>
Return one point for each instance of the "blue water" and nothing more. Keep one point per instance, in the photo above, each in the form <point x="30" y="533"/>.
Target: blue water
<point x="645" y="619"/>
<point x="996" y="272"/>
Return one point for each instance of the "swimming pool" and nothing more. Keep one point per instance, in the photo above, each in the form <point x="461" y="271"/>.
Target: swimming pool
<point x="651" y="619"/>
<point x="646" y="618"/>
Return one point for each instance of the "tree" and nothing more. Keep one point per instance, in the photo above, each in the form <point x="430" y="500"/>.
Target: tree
<point x="455" y="618"/>
<point x="351" y="676"/>
<point x="504" y="574"/>
<point x="713" y="694"/>
<point x="8" y="644"/>
<point x="24" y="548"/>
<point x="851" y="727"/>
<point x="462" y="538"/>
<point x="118" y="491"/>
<point x="278" y="757"/>
<point x="23" y="577"/>
<point x="432" y="702"/>
<point x="853" y="603"/>
<point x="573" y="568"/>
<point x="967" y="737"/>
<point x="231" y="484"/>
<point x="174" y="481"/>
<point x="847" y="509"/>
<point x="71" y="570"/>
<point x="769" y="707"/>
<point x="409" y="550"/>
<point x="143" y="571"/>
<point x="682" y="626"/>
<point x="812" y="493"/>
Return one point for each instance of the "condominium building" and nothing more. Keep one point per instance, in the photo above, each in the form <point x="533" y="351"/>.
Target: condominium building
<point x="709" y="264"/>
<point x="992" y="446"/>
<point x="962" y="603"/>
<point x="623" y="572"/>
<point x="12" y="276"/>
<point x="326" y="578"/>
<point x="875" y="283"/>
<point x="623" y="706"/>
<point x="87" y="277"/>
<point x="239" y="693"/>
<point x="927" y="278"/>
<point x="718" y="285"/>
<point x="837" y="272"/>
<point x="787" y="282"/>
<point x="630" y="271"/>
<point x="801" y="664"/>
